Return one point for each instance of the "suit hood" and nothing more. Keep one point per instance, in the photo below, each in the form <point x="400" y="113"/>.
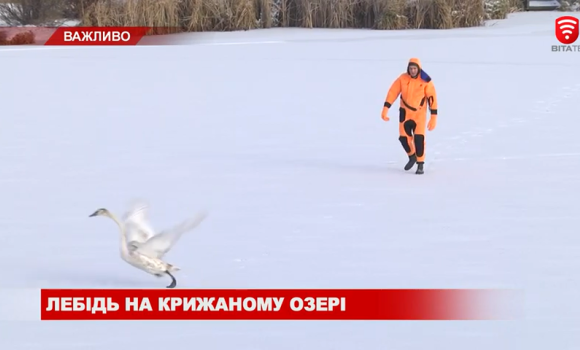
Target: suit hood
<point x="414" y="62"/>
<point x="422" y="74"/>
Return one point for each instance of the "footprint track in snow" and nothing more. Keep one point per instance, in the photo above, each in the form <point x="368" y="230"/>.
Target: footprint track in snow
<point x="552" y="103"/>
<point x="539" y="110"/>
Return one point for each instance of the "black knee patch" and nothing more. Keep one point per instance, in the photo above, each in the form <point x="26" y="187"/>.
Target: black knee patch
<point x="405" y="144"/>
<point x="409" y="127"/>
<point x="419" y="145"/>
<point x="402" y="115"/>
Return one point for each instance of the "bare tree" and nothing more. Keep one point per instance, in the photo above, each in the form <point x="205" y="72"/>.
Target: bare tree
<point x="24" y="12"/>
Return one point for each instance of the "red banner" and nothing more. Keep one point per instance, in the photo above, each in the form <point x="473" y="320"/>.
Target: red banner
<point x="275" y="304"/>
<point x="97" y="35"/>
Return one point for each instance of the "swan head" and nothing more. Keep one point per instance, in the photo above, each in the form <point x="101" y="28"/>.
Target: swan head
<point x="101" y="212"/>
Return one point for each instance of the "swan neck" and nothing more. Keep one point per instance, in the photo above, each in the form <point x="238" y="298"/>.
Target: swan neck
<point x="124" y="249"/>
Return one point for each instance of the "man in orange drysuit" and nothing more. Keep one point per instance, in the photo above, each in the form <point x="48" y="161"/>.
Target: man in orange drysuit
<point x="417" y="92"/>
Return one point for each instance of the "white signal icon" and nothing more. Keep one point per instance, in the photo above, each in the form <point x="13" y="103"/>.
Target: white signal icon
<point x="567" y="29"/>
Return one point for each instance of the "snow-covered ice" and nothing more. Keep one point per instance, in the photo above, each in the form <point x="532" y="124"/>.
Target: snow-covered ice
<point x="283" y="143"/>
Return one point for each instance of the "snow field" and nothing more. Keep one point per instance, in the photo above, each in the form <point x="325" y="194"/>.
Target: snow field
<point x="283" y="143"/>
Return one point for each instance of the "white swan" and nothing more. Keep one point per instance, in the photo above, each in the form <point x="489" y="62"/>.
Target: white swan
<point x="141" y="236"/>
<point x="137" y="226"/>
<point x="152" y="265"/>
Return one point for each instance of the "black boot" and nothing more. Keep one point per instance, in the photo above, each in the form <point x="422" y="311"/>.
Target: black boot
<point x="419" y="168"/>
<point x="411" y="162"/>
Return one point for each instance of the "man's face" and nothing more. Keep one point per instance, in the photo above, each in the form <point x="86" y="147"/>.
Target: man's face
<point x="413" y="71"/>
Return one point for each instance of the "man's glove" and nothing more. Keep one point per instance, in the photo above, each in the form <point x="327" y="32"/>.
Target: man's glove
<point x="432" y="122"/>
<point x="384" y="114"/>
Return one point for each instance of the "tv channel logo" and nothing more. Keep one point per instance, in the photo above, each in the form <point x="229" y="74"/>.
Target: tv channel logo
<point x="567" y="29"/>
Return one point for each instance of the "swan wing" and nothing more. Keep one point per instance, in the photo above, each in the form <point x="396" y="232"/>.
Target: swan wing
<point x="158" y="245"/>
<point x="137" y="225"/>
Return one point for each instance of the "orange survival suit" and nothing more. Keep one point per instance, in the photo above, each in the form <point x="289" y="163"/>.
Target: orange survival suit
<point x="417" y="94"/>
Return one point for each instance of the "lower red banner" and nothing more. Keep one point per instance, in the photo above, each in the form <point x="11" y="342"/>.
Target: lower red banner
<point x="277" y="304"/>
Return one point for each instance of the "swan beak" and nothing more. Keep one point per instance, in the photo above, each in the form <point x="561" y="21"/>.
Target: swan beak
<point x="93" y="214"/>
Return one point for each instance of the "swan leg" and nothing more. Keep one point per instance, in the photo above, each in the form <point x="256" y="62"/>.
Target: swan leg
<point x="173" y="281"/>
